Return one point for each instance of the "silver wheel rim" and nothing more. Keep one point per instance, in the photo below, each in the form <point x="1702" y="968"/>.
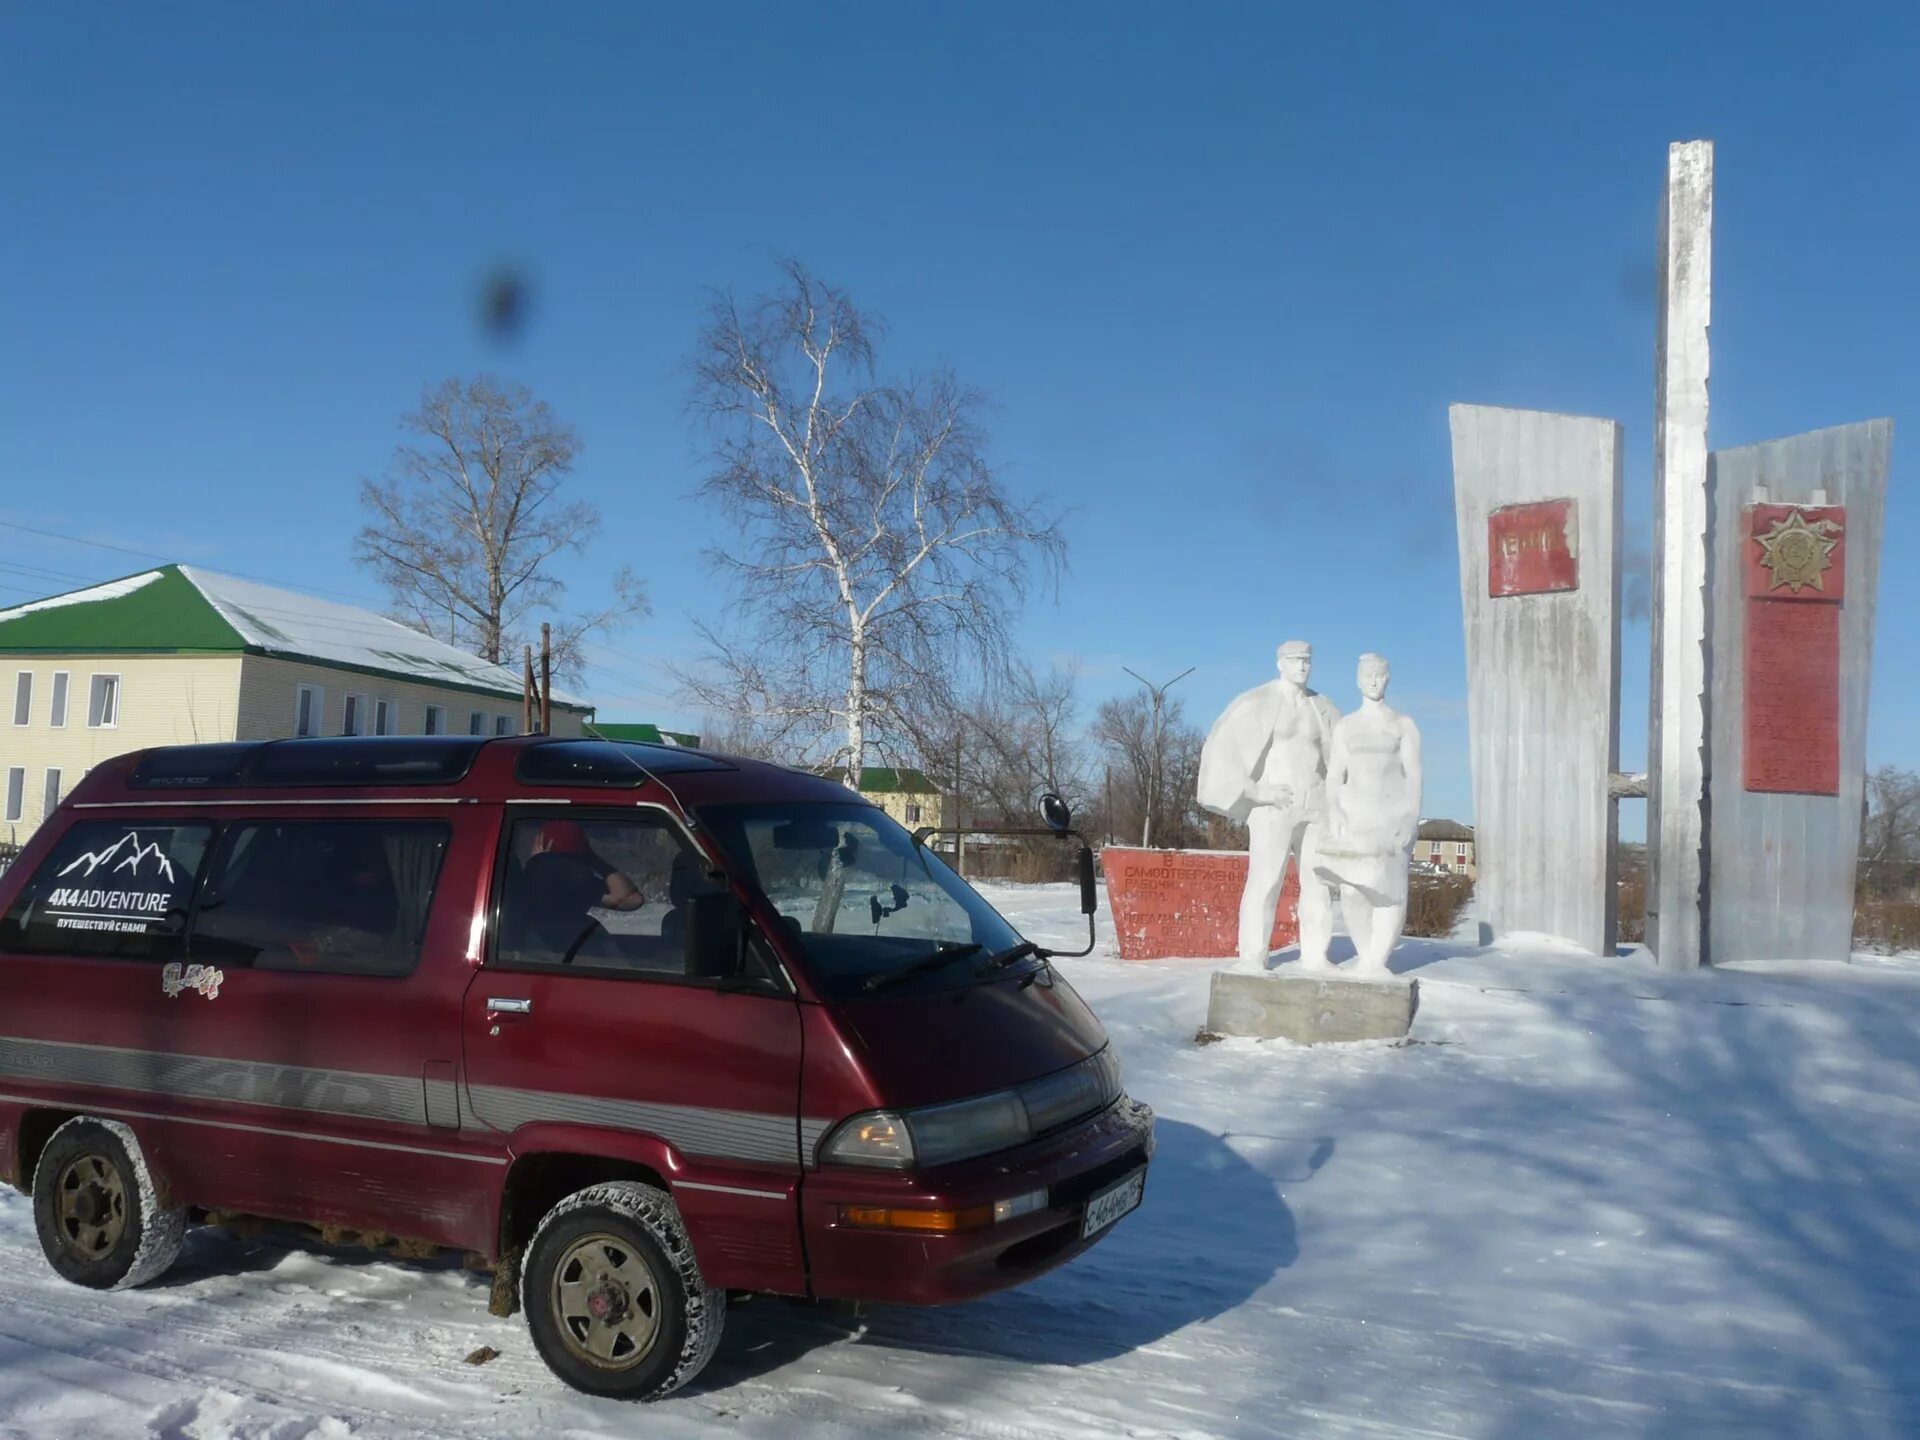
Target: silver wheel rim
<point x="91" y="1203"/>
<point x="606" y="1302"/>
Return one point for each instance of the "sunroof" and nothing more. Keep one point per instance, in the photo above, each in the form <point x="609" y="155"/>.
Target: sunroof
<point x="613" y="763"/>
<point x="360" y="760"/>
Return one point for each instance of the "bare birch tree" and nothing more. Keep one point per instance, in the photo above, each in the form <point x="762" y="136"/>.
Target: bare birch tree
<point x="876" y="554"/>
<point x="468" y="522"/>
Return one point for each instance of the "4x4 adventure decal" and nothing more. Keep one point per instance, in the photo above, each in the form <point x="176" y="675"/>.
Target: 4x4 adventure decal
<point x="118" y="903"/>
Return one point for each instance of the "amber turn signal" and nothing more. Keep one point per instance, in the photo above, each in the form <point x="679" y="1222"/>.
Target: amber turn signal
<point x="932" y="1222"/>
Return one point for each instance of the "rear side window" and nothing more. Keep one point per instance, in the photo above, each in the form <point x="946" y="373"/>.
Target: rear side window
<point x="340" y="897"/>
<point x="598" y="895"/>
<point x="110" y="889"/>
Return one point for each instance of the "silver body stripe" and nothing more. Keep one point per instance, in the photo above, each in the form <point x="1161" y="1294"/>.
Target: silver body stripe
<point x="695" y="1129"/>
<point x="397" y="1098"/>
<point x="729" y="1190"/>
<point x="401" y="1099"/>
<point x="812" y="1132"/>
<point x="123" y="1111"/>
<point x="232" y="804"/>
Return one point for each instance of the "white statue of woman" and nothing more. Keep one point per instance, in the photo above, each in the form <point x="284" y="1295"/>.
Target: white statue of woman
<point x="1373" y="810"/>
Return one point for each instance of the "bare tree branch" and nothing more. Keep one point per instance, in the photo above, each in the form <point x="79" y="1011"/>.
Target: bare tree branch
<point x="465" y="527"/>
<point x="876" y="554"/>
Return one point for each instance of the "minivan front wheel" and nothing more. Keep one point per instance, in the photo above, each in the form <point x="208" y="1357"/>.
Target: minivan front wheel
<point x="97" y="1210"/>
<point x="613" y="1295"/>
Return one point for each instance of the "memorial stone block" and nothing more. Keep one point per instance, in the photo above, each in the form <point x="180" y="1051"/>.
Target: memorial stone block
<point x="1186" y="902"/>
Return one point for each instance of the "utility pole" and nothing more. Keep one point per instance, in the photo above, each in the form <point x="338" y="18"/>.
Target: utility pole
<point x="526" y="693"/>
<point x="959" y="835"/>
<point x="546" y="678"/>
<point x="1159" y="694"/>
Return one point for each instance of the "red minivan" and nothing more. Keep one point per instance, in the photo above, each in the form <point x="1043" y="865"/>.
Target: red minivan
<point x="635" y="1027"/>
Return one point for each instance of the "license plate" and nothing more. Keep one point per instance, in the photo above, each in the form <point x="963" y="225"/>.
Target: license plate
<point x="1113" y="1202"/>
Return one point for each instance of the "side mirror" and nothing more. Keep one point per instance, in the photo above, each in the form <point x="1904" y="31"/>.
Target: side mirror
<point x="1055" y="813"/>
<point x="716" y="936"/>
<point x="1089" y="892"/>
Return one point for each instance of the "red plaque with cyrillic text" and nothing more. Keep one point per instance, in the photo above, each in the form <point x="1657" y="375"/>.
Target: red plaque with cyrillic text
<point x="1795" y="567"/>
<point x="1186" y="902"/>
<point x="1531" y="549"/>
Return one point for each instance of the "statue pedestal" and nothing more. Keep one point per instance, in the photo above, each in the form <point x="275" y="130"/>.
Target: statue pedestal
<point x="1310" y="1009"/>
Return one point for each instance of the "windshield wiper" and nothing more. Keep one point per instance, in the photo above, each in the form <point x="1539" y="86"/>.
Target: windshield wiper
<point x="1017" y="953"/>
<point x="943" y="955"/>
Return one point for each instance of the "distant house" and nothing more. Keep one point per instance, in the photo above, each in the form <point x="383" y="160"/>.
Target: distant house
<point x="645" y="733"/>
<point x="179" y="654"/>
<point x="1447" y="844"/>
<point x="908" y="795"/>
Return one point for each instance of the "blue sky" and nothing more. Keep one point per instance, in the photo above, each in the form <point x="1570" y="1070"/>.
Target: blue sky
<point x="1220" y="267"/>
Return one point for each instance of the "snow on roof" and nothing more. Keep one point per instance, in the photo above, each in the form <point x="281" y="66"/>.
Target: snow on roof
<point x="111" y="590"/>
<point x="281" y="622"/>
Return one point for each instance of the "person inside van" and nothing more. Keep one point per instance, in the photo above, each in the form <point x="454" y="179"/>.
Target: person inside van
<point x="566" y="838"/>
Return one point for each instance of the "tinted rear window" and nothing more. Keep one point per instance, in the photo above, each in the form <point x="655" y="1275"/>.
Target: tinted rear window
<point x="110" y="889"/>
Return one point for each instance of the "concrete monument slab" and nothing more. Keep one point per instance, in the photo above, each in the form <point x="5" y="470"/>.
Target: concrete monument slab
<point x="1310" y="1009"/>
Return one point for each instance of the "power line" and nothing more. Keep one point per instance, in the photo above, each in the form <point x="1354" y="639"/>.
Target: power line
<point x="171" y="559"/>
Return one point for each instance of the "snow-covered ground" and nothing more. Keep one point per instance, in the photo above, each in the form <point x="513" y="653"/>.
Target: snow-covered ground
<point x="1589" y="1199"/>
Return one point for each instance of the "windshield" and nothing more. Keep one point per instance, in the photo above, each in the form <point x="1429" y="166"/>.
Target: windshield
<point x="860" y="897"/>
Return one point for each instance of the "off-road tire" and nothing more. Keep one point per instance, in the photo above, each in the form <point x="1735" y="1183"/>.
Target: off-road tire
<point x="690" y="1316"/>
<point x="133" y="1239"/>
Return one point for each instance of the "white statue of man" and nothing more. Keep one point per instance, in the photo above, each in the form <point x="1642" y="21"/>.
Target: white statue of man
<point x="1265" y="764"/>
<point x="1373" y="811"/>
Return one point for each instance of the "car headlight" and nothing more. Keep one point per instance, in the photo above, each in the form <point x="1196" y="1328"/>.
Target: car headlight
<point x="939" y="1134"/>
<point x="878" y="1138"/>
<point x="969" y="1127"/>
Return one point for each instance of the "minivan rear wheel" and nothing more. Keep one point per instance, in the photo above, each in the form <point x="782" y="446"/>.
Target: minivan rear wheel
<point x="613" y="1295"/>
<point x="97" y="1210"/>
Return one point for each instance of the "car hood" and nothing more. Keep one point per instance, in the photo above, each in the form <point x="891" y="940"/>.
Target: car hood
<point x="932" y="1046"/>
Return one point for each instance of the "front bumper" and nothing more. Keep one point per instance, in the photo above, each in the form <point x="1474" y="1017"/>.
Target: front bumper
<point x="894" y="1267"/>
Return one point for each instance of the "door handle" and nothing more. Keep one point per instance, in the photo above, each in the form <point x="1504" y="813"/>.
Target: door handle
<point x="498" y="1007"/>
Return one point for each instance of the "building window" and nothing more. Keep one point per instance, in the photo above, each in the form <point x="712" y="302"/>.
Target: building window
<point x="16" y="792"/>
<point x="503" y="724"/>
<point x="309" y="709"/>
<point x="23" y="697"/>
<point x="353" y="715"/>
<point x="913" y="814"/>
<point x="1460" y="852"/>
<point x="50" y="796"/>
<point x="383" y="717"/>
<point x="476" y="723"/>
<point x="436" y="720"/>
<point x="103" y="702"/>
<point x="57" y="712"/>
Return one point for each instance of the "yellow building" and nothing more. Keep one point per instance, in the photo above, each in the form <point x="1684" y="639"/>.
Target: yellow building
<point x="908" y="795"/>
<point x="180" y="655"/>
<point x="1447" y="845"/>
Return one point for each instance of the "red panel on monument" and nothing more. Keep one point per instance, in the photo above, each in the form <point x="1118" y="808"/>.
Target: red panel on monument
<point x="1796" y="579"/>
<point x="1186" y="902"/>
<point x="1530" y="549"/>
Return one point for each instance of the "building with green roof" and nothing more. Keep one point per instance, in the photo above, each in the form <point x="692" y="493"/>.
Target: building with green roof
<point x="178" y="654"/>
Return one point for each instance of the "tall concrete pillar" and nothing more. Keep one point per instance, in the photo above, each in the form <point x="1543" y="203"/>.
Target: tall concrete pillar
<point x="1677" y="733"/>
<point x="1796" y="561"/>
<point x="1537" y="501"/>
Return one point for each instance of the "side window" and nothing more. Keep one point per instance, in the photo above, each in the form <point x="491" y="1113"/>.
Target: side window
<point x="597" y="895"/>
<point x="309" y="706"/>
<point x="340" y="897"/>
<point x="109" y="889"/>
<point x="103" y="701"/>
